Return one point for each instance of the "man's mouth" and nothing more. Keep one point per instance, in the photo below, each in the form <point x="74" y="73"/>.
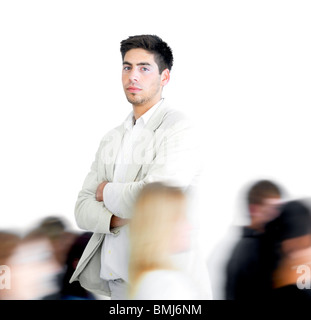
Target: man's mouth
<point x="133" y="89"/>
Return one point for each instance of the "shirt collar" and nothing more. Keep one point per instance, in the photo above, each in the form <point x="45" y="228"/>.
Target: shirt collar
<point x="129" y="121"/>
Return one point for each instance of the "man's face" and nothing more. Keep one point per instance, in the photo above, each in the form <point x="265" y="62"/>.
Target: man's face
<point x="142" y="82"/>
<point x="267" y="211"/>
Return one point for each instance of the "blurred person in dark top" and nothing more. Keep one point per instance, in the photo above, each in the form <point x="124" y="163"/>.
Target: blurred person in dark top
<point x="74" y="291"/>
<point x="248" y="272"/>
<point x="291" y="235"/>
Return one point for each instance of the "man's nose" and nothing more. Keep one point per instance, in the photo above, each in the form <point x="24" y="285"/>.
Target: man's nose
<point x="134" y="76"/>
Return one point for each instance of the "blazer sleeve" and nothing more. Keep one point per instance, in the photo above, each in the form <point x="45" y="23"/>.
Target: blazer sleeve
<point x="177" y="162"/>
<point x="90" y="214"/>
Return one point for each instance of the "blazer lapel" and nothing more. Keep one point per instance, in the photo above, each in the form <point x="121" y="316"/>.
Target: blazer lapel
<point x="144" y="143"/>
<point x="111" y="145"/>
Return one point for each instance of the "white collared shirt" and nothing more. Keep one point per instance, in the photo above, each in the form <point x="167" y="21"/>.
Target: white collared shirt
<point x="115" y="249"/>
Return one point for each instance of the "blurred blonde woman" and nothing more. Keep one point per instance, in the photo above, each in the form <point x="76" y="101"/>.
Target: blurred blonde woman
<point x="158" y="230"/>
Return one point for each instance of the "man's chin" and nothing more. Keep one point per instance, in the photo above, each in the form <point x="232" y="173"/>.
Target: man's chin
<point x="135" y="101"/>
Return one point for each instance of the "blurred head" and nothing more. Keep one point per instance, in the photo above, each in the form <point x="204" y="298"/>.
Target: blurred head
<point x="147" y="61"/>
<point x="294" y="226"/>
<point x="55" y="229"/>
<point x="263" y="199"/>
<point x="158" y="229"/>
<point x="33" y="268"/>
<point x="52" y="226"/>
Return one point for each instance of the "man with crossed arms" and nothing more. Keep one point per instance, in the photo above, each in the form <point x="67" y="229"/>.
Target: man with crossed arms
<point x="154" y="143"/>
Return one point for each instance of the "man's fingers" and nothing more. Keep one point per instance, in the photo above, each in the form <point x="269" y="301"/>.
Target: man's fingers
<point x="99" y="192"/>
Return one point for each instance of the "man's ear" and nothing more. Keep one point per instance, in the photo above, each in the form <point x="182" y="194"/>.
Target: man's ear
<point x="165" y="77"/>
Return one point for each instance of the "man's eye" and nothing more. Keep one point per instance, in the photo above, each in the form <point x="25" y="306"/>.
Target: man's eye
<point x="144" y="69"/>
<point x="126" y="68"/>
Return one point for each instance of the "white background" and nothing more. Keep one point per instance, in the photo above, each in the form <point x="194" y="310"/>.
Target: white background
<point x="242" y="70"/>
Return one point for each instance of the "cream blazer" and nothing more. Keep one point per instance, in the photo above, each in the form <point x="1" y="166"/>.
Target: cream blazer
<point x="166" y="152"/>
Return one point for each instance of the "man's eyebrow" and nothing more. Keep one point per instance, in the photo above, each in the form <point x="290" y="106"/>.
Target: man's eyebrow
<point x="144" y="64"/>
<point x="138" y="64"/>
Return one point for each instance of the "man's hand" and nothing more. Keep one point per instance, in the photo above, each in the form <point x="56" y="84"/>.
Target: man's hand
<point x="117" y="222"/>
<point x="100" y="190"/>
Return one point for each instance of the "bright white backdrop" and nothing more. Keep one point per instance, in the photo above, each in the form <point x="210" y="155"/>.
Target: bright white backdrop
<point x="242" y="71"/>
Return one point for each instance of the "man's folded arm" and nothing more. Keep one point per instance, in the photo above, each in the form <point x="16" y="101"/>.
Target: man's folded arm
<point x="90" y="214"/>
<point x="176" y="163"/>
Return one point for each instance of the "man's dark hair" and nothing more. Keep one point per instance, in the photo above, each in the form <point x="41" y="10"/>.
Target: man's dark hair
<point x="163" y="55"/>
<point x="262" y="190"/>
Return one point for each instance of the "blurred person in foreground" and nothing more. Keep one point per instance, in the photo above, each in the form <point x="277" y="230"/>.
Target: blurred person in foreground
<point x="34" y="269"/>
<point x="155" y="143"/>
<point x="291" y="235"/>
<point x="249" y="269"/>
<point x="9" y="240"/>
<point x="159" y="229"/>
<point x="58" y="232"/>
